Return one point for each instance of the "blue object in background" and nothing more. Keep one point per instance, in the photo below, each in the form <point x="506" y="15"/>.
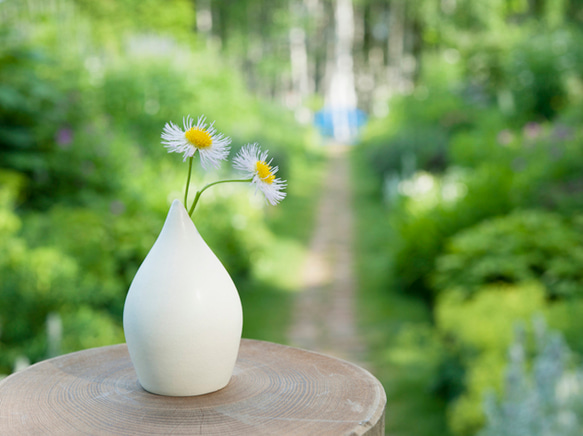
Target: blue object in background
<point x="354" y="118"/>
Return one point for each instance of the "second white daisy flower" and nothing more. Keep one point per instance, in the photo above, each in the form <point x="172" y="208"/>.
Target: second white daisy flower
<point x="213" y="147"/>
<point x="253" y="162"/>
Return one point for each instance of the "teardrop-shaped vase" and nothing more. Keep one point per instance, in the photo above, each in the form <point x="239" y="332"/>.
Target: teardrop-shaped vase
<point x="182" y="316"/>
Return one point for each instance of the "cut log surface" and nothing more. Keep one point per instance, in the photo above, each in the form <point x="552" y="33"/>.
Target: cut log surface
<point x="275" y="390"/>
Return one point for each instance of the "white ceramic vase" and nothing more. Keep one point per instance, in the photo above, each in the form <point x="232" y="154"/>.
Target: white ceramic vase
<point x="182" y="316"/>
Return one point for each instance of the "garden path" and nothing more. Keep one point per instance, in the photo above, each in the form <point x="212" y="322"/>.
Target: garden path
<point x="324" y="317"/>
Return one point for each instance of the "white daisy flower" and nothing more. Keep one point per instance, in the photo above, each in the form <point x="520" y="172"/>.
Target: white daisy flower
<point x="212" y="146"/>
<point x="253" y="162"/>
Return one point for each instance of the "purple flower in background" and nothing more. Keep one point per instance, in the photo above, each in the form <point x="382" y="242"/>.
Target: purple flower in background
<point x="532" y="130"/>
<point x="64" y="137"/>
<point x="562" y="132"/>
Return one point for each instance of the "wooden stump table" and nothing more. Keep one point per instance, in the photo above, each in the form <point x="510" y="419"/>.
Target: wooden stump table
<point x="275" y="390"/>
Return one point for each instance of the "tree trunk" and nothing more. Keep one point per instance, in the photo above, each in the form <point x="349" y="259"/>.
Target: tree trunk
<point x="204" y="18"/>
<point x="396" y="46"/>
<point x="341" y="98"/>
<point x="298" y="56"/>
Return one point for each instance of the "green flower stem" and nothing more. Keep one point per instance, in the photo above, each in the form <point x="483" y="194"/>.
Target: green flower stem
<point x="199" y="193"/>
<point x="188" y="180"/>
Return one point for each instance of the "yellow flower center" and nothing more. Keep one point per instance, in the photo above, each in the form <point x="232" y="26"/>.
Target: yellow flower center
<point x="264" y="172"/>
<point x="200" y="138"/>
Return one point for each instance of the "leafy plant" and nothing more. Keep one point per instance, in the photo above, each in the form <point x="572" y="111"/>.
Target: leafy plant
<point x="421" y="236"/>
<point x="83" y="191"/>
<point x="547" y="400"/>
<point x="520" y="247"/>
<point x="477" y="333"/>
<point x="408" y="150"/>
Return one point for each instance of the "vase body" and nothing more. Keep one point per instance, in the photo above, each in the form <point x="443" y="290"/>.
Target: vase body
<point x="182" y="316"/>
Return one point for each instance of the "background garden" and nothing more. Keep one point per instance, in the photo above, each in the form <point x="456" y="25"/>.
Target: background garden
<point x="85" y="89"/>
<point x="474" y="184"/>
<point x="467" y="184"/>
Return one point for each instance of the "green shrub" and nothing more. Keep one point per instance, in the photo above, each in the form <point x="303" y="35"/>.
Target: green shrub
<point x="408" y="150"/>
<point x="537" y="69"/>
<point x="416" y="133"/>
<point x="36" y="280"/>
<point x="489" y="140"/>
<point x="98" y="328"/>
<point x="544" y="400"/>
<point x="543" y="174"/>
<point x="422" y="235"/>
<point x="85" y="183"/>
<point x="479" y="331"/>
<point x="523" y="246"/>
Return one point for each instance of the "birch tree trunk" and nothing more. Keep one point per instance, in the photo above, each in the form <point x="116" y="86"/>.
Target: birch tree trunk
<point x="204" y="18"/>
<point x="341" y="96"/>
<point x="299" y="62"/>
<point x="396" y="46"/>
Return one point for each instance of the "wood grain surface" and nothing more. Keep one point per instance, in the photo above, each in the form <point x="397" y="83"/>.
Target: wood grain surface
<point x="275" y="390"/>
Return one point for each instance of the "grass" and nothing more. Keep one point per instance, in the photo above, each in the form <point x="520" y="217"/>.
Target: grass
<point x="404" y="351"/>
<point x="268" y="296"/>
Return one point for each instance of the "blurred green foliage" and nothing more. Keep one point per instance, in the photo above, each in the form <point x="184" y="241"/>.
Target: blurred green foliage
<point x="85" y="89"/>
<point x="548" y="383"/>
<point x="470" y="190"/>
<point x="404" y="347"/>
<point x="408" y="150"/>
<point x="491" y="235"/>
<point x="479" y="332"/>
<point x="506" y="250"/>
